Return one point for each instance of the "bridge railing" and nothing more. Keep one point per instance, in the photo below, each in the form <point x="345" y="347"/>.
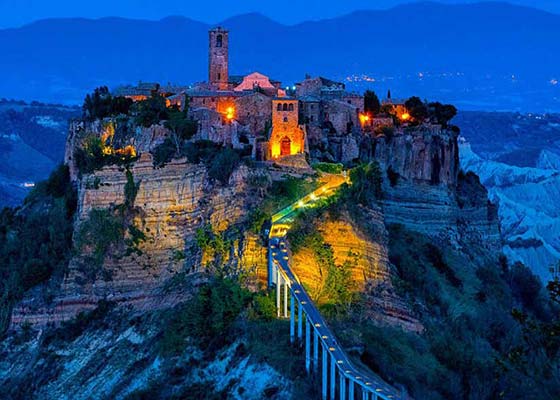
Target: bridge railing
<point x="351" y="380"/>
<point x="311" y="197"/>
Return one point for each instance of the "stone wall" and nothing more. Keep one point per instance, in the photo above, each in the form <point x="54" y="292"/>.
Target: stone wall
<point x="341" y="115"/>
<point x="254" y="111"/>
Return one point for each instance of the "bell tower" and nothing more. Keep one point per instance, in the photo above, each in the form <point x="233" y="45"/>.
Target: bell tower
<point x="218" y="58"/>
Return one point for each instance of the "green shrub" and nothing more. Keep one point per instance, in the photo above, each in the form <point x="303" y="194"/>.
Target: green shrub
<point x="151" y="111"/>
<point x="102" y="230"/>
<point x="90" y="156"/>
<point x="182" y="127"/>
<point x="207" y="318"/>
<point x="222" y="165"/>
<point x="72" y="329"/>
<point x="330" y="168"/>
<point x="164" y="152"/>
<point x="130" y="190"/>
<point x="101" y="104"/>
<point x="366" y="183"/>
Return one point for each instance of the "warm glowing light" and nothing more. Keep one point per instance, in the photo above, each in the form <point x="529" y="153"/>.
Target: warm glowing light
<point x="230" y="113"/>
<point x="405" y="116"/>
<point x="364" y="119"/>
<point x="129" y="151"/>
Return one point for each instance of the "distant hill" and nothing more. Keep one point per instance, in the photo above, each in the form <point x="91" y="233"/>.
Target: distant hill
<point x="32" y="138"/>
<point x="485" y="55"/>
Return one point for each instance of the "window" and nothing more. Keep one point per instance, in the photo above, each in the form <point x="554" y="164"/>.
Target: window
<point x="279" y="108"/>
<point x="219" y="76"/>
<point x="291" y="107"/>
<point x="285" y="107"/>
<point x="219" y="40"/>
<point x="285" y="119"/>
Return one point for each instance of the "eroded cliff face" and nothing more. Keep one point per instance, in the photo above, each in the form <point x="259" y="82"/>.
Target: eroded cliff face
<point x="170" y="205"/>
<point x="361" y="249"/>
<point x="424" y="190"/>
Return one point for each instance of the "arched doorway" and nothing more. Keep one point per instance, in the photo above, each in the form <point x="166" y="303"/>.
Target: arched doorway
<point x="285" y="146"/>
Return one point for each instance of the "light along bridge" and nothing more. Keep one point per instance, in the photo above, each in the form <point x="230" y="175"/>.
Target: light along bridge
<point x="340" y="379"/>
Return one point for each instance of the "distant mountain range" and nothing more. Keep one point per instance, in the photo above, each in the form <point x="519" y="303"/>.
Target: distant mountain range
<point x="484" y="55"/>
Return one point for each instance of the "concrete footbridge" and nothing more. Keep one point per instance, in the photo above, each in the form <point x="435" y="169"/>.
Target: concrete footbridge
<point x="339" y="378"/>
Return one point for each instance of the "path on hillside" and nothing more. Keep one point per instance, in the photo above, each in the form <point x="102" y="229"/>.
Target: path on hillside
<point x="351" y="380"/>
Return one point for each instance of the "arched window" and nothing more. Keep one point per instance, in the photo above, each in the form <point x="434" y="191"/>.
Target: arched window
<point x="285" y="119"/>
<point x="291" y="107"/>
<point x="279" y="107"/>
<point x="285" y="107"/>
<point x="219" y="40"/>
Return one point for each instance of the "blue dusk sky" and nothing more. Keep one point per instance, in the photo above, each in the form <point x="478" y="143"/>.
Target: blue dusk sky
<point x="14" y="13"/>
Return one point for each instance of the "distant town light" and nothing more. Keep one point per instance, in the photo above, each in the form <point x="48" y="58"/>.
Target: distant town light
<point x="405" y="116"/>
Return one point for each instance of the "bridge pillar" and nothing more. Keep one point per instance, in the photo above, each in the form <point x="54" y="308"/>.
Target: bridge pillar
<point x="333" y="377"/>
<point x="300" y="321"/>
<point x="365" y="395"/>
<point x="278" y="284"/>
<point x="285" y="298"/>
<point x="292" y="318"/>
<point x="315" y="349"/>
<point x="350" y="389"/>
<point x="342" y="387"/>
<point x="307" y="345"/>
<point x="270" y="266"/>
<point x="324" y="369"/>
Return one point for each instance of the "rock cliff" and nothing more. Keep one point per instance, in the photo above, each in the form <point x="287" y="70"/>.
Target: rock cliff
<point x="423" y="189"/>
<point x="172" y="202"/>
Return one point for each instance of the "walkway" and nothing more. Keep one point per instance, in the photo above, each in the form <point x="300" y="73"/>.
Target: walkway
<point x="351" y="383"/>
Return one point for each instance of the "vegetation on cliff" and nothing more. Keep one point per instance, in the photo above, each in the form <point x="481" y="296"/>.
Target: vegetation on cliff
<point x="109" y="231"/>
<point x="35" y="240"/>
<point x="490" y="330"/>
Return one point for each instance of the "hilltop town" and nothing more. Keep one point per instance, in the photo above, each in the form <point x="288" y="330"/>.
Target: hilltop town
<point x="168" y="256"/>
<point x="276" y="122"/>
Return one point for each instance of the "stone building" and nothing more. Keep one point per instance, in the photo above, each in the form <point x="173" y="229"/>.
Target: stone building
<point x="287" y="136"/>
<point x="254" y="112"/>
<point x="259" y="82"/>
<point x="326" y="104"/>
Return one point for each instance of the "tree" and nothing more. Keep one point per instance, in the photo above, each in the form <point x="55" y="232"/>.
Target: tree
<point x="417" y="109"/>
<point x="101" y="104"/>
<point x="151" y="111"/>
<point x="442" y="113"/>
<point x="181" y="126"/>
<point x="371" y="102"/>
